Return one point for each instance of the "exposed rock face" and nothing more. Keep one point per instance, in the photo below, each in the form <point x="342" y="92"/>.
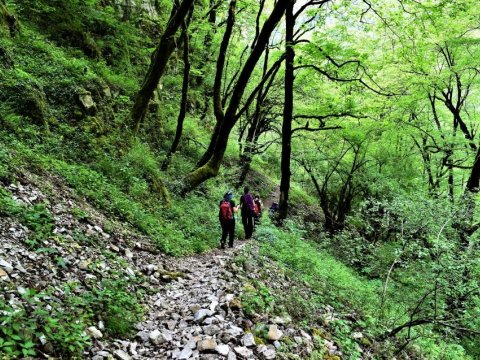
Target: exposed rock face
<point x="86" y="101"/>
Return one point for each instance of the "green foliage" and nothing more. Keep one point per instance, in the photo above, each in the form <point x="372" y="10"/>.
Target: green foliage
<point x="331" y="282"/>
<point x="39" y="221"/>
<point x="197" y="230"/>
<point x="116" y="305"/>
<point x="256" y="298"/>
<point x="24" y="326"/>
<point x="36" y="218"/>
<point x="405" y="204"/>
<point x="62" y="323"/>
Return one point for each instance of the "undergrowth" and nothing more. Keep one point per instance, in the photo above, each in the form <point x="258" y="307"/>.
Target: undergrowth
<point x="356" y="300"/>
<point x="57" y="318"/>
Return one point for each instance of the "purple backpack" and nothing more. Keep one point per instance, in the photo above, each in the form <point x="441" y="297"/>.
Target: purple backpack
<point x="248" y="199"/>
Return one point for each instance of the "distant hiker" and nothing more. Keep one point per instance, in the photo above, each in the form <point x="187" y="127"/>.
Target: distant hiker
<point x="248" y="208"/>
<point x="273" y="209"/>
<point x="257" y="203"/>
<point x="227" y="219"/>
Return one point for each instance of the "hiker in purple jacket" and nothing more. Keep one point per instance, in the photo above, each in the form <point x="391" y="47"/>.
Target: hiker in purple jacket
<point x="247" y="205"/>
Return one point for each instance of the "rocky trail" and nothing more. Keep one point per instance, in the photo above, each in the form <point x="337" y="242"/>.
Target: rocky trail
<point x="195" y="307"/>
<point x="198" y="316"/>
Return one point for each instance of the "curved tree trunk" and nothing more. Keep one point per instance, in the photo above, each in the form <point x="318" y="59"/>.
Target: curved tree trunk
<point x="157" y="66"/>
<point x="211" y="168"/>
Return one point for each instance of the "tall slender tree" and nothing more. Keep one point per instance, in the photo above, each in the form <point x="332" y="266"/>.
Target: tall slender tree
<point x="158" y="64"/>
<point x="287" y="112"/>
<point x="183" y="102"/>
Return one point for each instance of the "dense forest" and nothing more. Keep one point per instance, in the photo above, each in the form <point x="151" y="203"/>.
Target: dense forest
<point x="124" y="122"/>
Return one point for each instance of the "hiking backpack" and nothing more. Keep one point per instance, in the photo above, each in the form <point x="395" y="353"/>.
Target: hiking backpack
<point x="226" y="213"/>
<point x="257" y="208"/>
<point x="248" y="200"/>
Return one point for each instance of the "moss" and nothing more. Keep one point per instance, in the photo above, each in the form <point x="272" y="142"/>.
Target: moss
<point x="8" y="20"/>
<point x="365" y="341"/>
<point x="331" y="357"/>
<point x="6" y="60"/>
<point x="259" y="340"/>
<point x="321" y="333"/>
<point x="34" y="105"/>
<point x="169" y="276"/>
<point x="198" y="176"/>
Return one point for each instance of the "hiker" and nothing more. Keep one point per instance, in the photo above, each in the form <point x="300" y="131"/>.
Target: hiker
<point x="227" y="219"/>
<point x="257" y="209"/>
<point x="248" y="207"/>
<point x="273" y="209"/>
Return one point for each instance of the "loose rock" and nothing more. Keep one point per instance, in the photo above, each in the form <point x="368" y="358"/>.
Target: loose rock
<point x="206" y="345"/>
<point x="274" y="333"/>
<point x="121" y="355"/>
<point x="94" y="332"/>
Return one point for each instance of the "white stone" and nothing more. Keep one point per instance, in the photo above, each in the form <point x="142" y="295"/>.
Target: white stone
<point x="94" y="332"/>
<point x="156" y="337"/>
<point x="269" y="354"/>
<point x="6" y="266"/>
<point x="130" y="272"/>
<point x="121" y="355"/>
<point x="274" y="333"/>
<point x="243" y="352"/>
<point x="186" y="353"/>
<point x="206" y="345"/>
<point x="248" y="340"/>
<point x="223" y="349"/>
<point x="357" y="335"/>
<point x="201" y="314"/>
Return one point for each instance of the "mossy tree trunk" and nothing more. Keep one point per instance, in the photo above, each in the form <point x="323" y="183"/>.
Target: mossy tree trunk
<point x="158" y="64"/>
<point x="212" y="166"/>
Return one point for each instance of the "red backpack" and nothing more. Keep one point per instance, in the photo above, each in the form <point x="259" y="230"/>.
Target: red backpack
<point x="257" y="208"/>
<point x="226" y="213"/>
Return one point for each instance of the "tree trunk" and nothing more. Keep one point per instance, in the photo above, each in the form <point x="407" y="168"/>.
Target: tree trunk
<point x="211" y="168"/>
<point x="157" y="66"/>
<point x="287" y="114"/>
<point x="183" y="103"/>
<point x="252" y="133"/>
<point x="217" y="87"/>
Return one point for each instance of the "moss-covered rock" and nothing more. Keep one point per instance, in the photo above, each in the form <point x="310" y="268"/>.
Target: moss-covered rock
<point x="8" y="20"/>
<point x="34" y="105"/>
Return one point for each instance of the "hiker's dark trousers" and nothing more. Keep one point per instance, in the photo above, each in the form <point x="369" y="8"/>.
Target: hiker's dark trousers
<point x="228" y="229"/>
<point x="247" y="220"/>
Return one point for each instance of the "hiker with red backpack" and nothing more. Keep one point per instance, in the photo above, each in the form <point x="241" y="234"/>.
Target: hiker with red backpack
<point x="227" y="219"/>
<point x="257" y="209"/>
<point x="248" y="210"/>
